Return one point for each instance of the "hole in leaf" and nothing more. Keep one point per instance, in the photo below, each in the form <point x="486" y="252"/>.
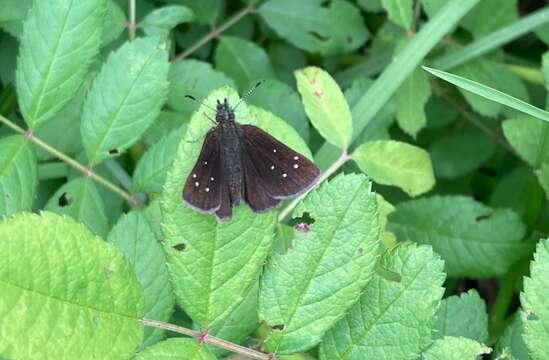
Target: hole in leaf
<point x="281" y="327"/>
<point x="108" y="272"/>
<point x="64" y="200"/>
<point x="114" y="152"/>
<point x="180" y="247"/>
<point x="319" y="36"/>
<point x="305" y="218"/>
<point x="360" y="251"/>
<point x="302" y="227"/>
<point x="531" y="316"/>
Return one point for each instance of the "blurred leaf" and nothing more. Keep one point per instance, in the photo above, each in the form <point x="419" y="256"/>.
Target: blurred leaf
<point x="396" y="163"/>
<point x="8" y="49"/>
<point x="18" y="175"/>
<point x="535" y="308"/>
<point x="114" y="23"/>
<point x="176" y="348"/>
<point x="134" y="236"/>
<point x="474" y="240"/>
<point x="325" y="105"/>
<point x="543" y="177"/>
<point x="455" y="348"/>
<point x="125" y="98"/>
<point x="490" y="15"/>
<point x="491" y="94"/>
<point x="529" y="137"/>
<point x="393" y="318"/>
<point x="243" y="61"/>
<point x="70" y="292"/>
<point x="315" y="28"/>
<point x="283" y="101"/>
<point x="207" y="12"/>
<point x="400" y="11"/>
<point x="306" y="290"/>
<point x="370" y="5"/>
<point x="512" y="342"/>
<point x="79" y="198"/>
<point x="286" y="59"/>
<point x="162" y="20"/>
<point x="54" y="57"/>
<point x="228" y="254"/>
<point x="12" y="15"/>
<point x="460" y="153"/>
<point x="163" y="125"/>
<point x="462" y="315"/>
<point x="196" y="78"/>
<point x="411" y="98"/>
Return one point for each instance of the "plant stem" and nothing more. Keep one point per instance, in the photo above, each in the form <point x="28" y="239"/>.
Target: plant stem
<point x="75" y="164"/>
<point x="215" y="32"/>
<point x="325" y="175"/>
<point x="131" y="21"/>
<point x="208" y="339"/>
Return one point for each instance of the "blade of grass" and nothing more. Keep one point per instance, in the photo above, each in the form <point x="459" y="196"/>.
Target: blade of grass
<point x="493" y="40"/>
<point x="490" y="94"/>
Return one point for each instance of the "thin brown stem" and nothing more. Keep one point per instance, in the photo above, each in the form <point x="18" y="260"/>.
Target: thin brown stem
<point x="75" y="164"/>
<point x="209" y="339"/>
<point x="325" y="175"/>
<point x="131" y="21"/>
<point x="215" y="32"/>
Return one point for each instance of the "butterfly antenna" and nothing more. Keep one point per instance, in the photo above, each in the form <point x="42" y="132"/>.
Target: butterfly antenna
<point x="248" y="93"/>
<point x="200" y="102"/>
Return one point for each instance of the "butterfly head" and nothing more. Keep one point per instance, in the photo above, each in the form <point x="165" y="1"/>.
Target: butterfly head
<point x="224" y="113"/>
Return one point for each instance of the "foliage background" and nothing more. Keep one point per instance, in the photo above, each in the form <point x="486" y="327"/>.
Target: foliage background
<point x="427" y="237"/>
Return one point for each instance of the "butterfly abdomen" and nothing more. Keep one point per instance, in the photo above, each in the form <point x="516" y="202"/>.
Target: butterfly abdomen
<point x="231" y="149"/>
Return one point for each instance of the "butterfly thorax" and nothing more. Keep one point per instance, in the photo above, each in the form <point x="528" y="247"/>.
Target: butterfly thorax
<point x="231" y="148"/>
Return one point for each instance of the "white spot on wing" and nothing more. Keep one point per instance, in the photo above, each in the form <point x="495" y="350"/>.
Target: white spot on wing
<point x="194" y="176"/>
<point x="296" y="158"/>
<point x="205" y="163"/>
<point x="296" y="166"/>
<point x="274" y="150"/>
<point x="284" y="175"/>
<point x="196" y="184"/>
<point x="211" y="179"/>
<point x="272" y="167"/>
<point x="207" y="189"/>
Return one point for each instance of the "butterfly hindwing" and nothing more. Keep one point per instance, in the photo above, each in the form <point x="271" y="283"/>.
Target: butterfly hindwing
<point x="255" y="195"/>
<point x="281" y="171"/>
<point x="203" y="187"/>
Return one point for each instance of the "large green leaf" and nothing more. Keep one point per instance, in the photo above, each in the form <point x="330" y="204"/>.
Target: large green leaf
<point x="336" y="29"/>
<point x="474" y="240"/>
<point x="135" y="237"/>
<point x="411" y="98"/>
<point x="394" y="317"/>
<point x="305" y="291"/>
<point x="535" y="307"/>
<point x="243" y="61"/>
<point x="66" y="294"/>
<point x="462" y="315"/>
<point x="211" y="263"/>
<point x="455" y="348"/>
<point x="18" y="175"/>
<point x="396" y="163"/>
<point x="125" y="98"/>
<point x="400" y="11"/>
<point x="176" y="348"/>
<point x="529" y="137"/>
<point x="490" y="15"/>
<point x="58" y="43"/>
<point x="325" y="105"/>
<point x="80" y="199"/>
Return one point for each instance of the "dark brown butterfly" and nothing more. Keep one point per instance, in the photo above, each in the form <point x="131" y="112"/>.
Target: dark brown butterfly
<point x="244" y="162"/>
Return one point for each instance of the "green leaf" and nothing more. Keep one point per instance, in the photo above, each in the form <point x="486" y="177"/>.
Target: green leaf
<point x="150" y="172"/>
<point x="460" y="153"/>
<point x="207" y="12"/>
<point x="196" y="78"/>
<point x="12" y="15"/>
<point x="511" y="342"/>
<point x="474" y="240"/>
<point x="176" y="348"/>
<point x="535" y="308"/>
<point x="70" y="292"/>
<point x="134" y="236"/>
<point x="462" y="315"/>
<point x="243" y="61"/>
<point x="336" y="29"/>
<point x="283" y="101"/>
<point x="490" y="94"/>
<point x="286" y="60"/>
<point x="162" y="20"/>
<point x="396" y="163"/>
<point x="529" y="137"/>
<point x="455" y="348"/>
<point x="18" y="175"/>
<point x="211" y="263"/>
<point x="58" y="44"/>
<point x="125" y="97"/>
<point x="8" y="60"/>
<point x="325" y="105"/>
<point x="166" y="122"/>
<point x="393" y="319"/>
<point x="306" y="290"/>
<point x="79" y="198"/>
<point x="543" y="177"/>
<point x="490" y="15"/>
<point x="400" y="11"/>
<point x="411" y="98"/>
<point x="114" y="24"/>
<point x="399" y="69"/>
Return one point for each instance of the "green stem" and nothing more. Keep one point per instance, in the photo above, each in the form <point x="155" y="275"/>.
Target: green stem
<point x="71" y="162"/>
<point x="131" y="21"/>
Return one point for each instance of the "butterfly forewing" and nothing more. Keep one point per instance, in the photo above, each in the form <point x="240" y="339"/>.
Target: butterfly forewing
<point x="203" y="187"/>
<point x="281" y="171"/>
<point x="255" y="195"/>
